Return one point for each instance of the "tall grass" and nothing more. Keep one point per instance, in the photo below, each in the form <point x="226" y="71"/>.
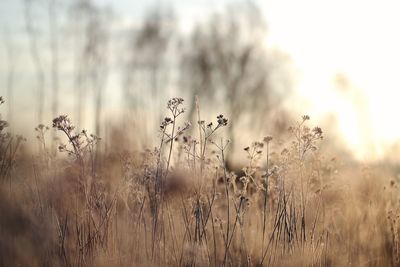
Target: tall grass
<point x="180" y="205"/>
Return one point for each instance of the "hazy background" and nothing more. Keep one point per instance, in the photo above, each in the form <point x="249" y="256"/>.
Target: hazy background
<point x="112" y="65"/>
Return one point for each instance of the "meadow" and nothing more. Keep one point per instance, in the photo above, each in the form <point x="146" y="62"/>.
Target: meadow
<point x="181" y="203"/>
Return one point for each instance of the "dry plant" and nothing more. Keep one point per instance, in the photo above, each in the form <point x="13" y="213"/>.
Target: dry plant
<point x="180" y="205"/>
<point x="9" y="145"/>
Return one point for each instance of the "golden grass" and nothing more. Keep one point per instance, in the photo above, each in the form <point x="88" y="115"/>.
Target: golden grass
<point x="180" y="205"/>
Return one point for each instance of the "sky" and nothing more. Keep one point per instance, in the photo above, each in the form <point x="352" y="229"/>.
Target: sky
<point x="355" y="39"/>
<point x="358" y="39"/>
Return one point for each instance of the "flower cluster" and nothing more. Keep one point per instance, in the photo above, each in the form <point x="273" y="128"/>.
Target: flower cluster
<point x="306" y="138"/>
<point x="317" y="132"/>
<point x="181" y="130"/>
<point x="80" y="142"/>
<point x="63" y="123"/>
<point x="256" y="147"/>
<point x="174" y="106"/>
<point x="167" y="121"/>
<point x="267" y="139"/>
<point x="42" y="127"/>
<point x="175" y="102"/>
<point x="175" y="109"/>
<point x="41" y="130"/>
<point x="9" y="145"/>
<point x="221" y="120"/>
<point x="209" y="129"/>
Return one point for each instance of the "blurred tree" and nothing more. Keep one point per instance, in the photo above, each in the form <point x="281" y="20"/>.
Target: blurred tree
<point x="31" y="29"/>
<point x="96" y="48"/>
<point x="11" y="64"/>
<point x="78" y="15"/>
<point x="147" y="67"/>
<point x="92" y="64"/>
<point x="228" y="63"/>
<point x="53" y="32"/>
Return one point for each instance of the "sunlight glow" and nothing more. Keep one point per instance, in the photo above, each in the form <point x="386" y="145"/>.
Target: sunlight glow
<point x="355" y="38"/>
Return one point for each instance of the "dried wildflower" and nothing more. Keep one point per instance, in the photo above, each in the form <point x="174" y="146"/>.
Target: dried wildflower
<point x="267" y="139"/>
<point x="174" y="102"/>
<point x="247" y="148"/>
<point x="305" y="138"/>
<point x="40" y="127"/>
<point x="167" y="121"/>
<point x="258" y="144"/>
<point x="63" y="123"/>
<point x="41" y="130"/>
<point x="173" y="106"/>
<point x="317" y="131"/>
<point x="62" y="148"/>
<point x="221" y="120"/>
<point x="80" y="142"/>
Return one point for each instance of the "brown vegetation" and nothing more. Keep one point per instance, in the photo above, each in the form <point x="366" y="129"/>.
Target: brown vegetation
<point x="179" y="205"/>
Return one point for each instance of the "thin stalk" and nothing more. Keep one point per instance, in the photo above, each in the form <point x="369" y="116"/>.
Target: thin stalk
<point x="265" y="199"/>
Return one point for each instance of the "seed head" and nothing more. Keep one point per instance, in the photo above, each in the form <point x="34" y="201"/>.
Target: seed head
<point x="317" y="131"/>
<point x="267" y="139"/>
<point x="221" y="120"/>
<point x="173" y="103"/>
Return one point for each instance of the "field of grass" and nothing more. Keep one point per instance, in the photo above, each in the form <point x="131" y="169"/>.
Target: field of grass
<point x="182" y="204"/>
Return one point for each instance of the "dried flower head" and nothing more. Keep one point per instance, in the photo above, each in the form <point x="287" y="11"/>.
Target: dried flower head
<point x="63" y="123"/>
<point x="174" y="102"/>
<point x="221" y="120"/>
<point x="167" y="121"/>
<point x="62" y="147"/>
<point x="267" y="139"/>
<point x="173" y="106"/>
<point x="317" y="131"/>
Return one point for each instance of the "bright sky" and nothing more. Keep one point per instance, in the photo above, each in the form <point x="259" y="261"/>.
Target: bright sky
<point x="357" y="38"/>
